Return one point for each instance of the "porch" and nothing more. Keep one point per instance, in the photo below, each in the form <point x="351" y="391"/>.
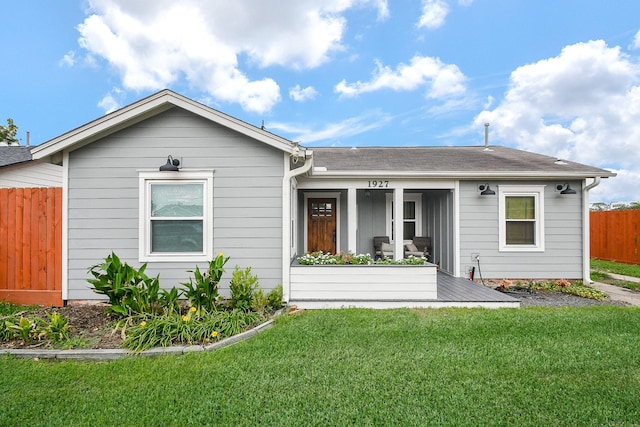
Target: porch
<point x="449" y="292"/>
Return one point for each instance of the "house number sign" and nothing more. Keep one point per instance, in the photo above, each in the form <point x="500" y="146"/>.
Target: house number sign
<point x="379" y="184"/>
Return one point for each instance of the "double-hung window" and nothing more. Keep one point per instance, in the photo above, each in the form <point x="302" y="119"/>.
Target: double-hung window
<point x="412" y="212"/>
<point x="521" y="218"/>
<point x="175" y="216"/>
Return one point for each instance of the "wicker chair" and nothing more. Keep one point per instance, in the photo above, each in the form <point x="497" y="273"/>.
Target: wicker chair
<point x="380" y="252"/>
<point x="420" y="247"/>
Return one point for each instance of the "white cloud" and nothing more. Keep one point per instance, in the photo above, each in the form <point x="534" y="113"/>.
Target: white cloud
<point x="68" y="60"/>
<point x="300" y="95"/>
<point x="332" y="131"/>
<point x="442" y="80"/>
<point x="154" y="44"/>
<point x="109" y="104"/>
<point x="434" y="13"/>
<point x="636" y="41"/>
<point x="582" y="105"/>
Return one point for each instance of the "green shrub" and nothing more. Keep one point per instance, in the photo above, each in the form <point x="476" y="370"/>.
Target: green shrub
<point x="129" y="289"/>
<point x="243" y="285"/>
<point x="57" y="328"/>
<point x="274" y="298"/>
<point x="203" y="290"/>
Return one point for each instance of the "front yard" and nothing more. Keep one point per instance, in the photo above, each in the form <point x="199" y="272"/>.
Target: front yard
<point x="533" y="366"/>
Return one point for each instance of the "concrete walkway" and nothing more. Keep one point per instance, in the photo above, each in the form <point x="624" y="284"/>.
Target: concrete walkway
<point x="617" y="293"/>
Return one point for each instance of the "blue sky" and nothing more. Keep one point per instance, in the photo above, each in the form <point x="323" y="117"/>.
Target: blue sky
<point x="560" y="78"/>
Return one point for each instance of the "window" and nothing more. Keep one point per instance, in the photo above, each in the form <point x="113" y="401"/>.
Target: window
<point x="521" y="218"/>
<point x="175" y="214"/>
<point x="412" y="212"/>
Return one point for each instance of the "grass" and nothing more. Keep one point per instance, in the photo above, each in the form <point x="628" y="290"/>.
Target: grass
<point x="600" y="270"/>
<point x="533" y="366"/>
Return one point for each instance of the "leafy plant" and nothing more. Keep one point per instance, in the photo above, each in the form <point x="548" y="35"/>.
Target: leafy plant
<point x="321" y="258"/>
<point x="274" y="298"/>
<point x="8" y="132"/>
<point x="243" y="285"/>
<point x="191" y="328"/>
<point x="203" y="291"/>
<point x="259" y="302"/>
<point x="25" y="329"/>
<point x="170" y="300"/>
<point x="57" y="328"/>
<point x="129" y="289"/>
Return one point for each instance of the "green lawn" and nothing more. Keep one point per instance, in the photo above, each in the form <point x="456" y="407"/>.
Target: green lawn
<point x="532" y="366"/>
<point x="600" y="270"/>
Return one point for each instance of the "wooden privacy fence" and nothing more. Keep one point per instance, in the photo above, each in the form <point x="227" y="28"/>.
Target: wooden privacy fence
<point x="31" y="245"/>
<point x="614" y="235"/>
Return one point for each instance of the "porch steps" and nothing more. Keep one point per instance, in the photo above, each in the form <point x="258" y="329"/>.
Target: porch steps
<point x="452" y="292"/>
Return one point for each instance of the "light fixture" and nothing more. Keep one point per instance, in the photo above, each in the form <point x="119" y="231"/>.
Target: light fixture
<point x="565" y="189"/>
<point x="171" y="165"/>
<point x="485" y="190"/>
<point x="295" y="153"/>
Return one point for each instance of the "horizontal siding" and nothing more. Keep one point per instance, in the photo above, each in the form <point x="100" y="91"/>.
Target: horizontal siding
<point x="562" y="257"/>
<point x="103" y="197"/>
<point x="32" y="174"/>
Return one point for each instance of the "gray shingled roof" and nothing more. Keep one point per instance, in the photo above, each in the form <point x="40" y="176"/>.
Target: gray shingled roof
<point x="447" y="161"/>
<point x="14" y="154"/>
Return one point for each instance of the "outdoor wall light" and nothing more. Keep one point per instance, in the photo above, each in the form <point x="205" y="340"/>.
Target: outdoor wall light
<point x="171" y="165"/>
<point x="485" y="190"/>
<point x="565" y="189"/>
<point x="295" y="153"/>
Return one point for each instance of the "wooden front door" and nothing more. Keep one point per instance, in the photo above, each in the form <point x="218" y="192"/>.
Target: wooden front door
<point x="321" y="225"/>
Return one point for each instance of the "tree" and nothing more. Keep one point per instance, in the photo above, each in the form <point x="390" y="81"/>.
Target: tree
<point x="8" y="132"/>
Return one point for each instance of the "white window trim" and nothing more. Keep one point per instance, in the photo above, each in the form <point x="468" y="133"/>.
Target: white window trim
<point x="537" y="191"/>
<point x="407" y="197"/>
<point x="145" y="178"/>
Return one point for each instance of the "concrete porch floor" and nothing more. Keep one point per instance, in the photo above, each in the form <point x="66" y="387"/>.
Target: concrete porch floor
<point x="452" y="292"/>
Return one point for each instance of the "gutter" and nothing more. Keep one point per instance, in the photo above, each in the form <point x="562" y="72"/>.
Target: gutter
<point x="288" y="222"/>
<point x="586" y="232"/>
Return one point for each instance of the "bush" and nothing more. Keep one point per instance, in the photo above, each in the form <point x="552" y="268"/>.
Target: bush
<point x="243" y="285"/>
<point x="129" y="290"/>
<point x="274" y="298"/>
<point x="203" y="290"/>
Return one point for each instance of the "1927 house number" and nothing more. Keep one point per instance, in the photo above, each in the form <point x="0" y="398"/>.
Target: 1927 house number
<point x="379" y="184"/>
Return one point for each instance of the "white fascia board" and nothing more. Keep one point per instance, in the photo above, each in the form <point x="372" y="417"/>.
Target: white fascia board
<point x="455" y="174"/>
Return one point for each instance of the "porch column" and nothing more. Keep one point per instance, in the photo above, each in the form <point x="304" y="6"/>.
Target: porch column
<point x="352" y="221"/>
<point x="398" y="223"/>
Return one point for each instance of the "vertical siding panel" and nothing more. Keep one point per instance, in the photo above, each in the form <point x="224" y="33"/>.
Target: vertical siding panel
<point x="26" y="247"/>
<point x="4" y="239"/>
<point x="57" y="241"/>
<point x="42" y="239"/>
<point x="17" y="247"/>
<point x="11" y="238"/>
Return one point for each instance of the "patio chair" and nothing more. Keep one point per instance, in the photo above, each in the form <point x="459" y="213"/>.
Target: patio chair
<point x="419" y="247"/>
<point x="382" y="247"/>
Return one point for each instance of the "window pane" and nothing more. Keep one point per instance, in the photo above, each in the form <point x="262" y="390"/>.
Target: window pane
<point x="410" y="210"/>
<point x="177" y="200"/>
<point x="520" y="207"/>
<point x="409" y="230"/>
<point x="520" y="233"/>
<point x="176" y="236"/>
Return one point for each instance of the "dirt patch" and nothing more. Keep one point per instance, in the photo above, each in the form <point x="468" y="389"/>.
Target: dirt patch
<point x="91" y="327"/>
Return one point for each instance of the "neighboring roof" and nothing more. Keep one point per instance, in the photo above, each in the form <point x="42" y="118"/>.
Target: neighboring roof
<point x="446" y="162"/>
<point x="149" y="107"/>
<point x="14" y="154"/>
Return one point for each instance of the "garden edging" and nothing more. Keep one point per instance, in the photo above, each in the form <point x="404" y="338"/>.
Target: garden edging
<point x="119" y="353"/>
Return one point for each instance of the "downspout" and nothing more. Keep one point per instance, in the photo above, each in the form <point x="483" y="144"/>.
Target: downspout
<point x="287" y="221"/>
<point x="586" y="232"/>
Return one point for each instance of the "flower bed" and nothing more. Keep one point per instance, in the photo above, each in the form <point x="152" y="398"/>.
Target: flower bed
<point x="352" y="279"/>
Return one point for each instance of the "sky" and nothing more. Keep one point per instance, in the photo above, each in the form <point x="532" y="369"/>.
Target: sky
<point x="560" y="78"/>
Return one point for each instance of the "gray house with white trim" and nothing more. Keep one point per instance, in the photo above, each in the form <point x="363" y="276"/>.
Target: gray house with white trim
<point x="263" y="200"/>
